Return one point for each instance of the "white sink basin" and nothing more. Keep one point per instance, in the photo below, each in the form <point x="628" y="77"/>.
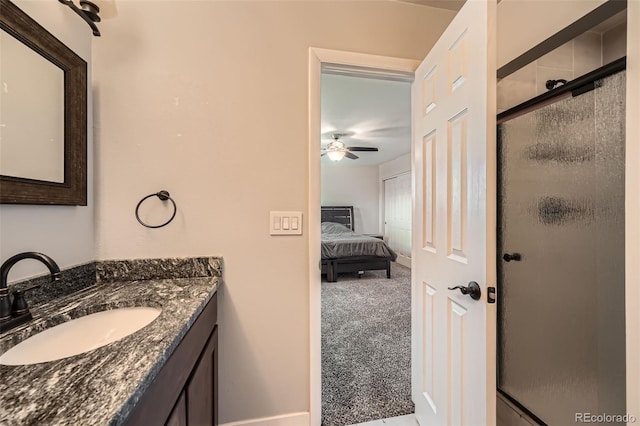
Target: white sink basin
<point x="79" y="335"/>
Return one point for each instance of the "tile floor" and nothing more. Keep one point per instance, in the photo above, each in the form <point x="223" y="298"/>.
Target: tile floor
<point x="408" y="420"/>
<point x="507" y="415"/>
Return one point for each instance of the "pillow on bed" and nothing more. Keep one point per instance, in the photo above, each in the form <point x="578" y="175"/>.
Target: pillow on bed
<point x="334" y="228"/>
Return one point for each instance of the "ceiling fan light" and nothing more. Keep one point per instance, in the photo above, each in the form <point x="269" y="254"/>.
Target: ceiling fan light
<point x="335" y="155"/>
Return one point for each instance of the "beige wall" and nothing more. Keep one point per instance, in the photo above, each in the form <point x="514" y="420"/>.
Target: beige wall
<point x="63" y="232"/>
<point x="208" y="100"/>
<point x="632" y="209"/>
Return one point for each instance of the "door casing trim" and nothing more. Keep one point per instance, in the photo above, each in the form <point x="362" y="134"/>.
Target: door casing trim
<point x="366" y="65"/>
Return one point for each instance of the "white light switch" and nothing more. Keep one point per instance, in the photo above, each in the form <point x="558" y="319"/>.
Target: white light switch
<point x="285" y="223"/>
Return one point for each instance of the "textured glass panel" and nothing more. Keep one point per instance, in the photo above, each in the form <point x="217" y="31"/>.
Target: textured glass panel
<point x="561" y="308"/>
<point x="609" y="210"/>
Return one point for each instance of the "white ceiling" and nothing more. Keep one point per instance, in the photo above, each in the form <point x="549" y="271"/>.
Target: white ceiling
<point x="378" y="112"/>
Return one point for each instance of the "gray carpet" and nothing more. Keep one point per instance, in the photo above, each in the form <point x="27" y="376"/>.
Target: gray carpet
<point x="366" y="347"/>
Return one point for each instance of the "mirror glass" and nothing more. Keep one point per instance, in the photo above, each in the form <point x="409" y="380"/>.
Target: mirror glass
<point x="43" y="115"/>
<point x="31" y="113"/>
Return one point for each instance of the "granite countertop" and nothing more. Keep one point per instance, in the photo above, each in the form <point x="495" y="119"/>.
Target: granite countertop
<point x="101" y="386"/>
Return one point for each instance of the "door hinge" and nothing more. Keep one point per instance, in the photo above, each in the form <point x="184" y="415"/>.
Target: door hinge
<point x="491" y="295"/>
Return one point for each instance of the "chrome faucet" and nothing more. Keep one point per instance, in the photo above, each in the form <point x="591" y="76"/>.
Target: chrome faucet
<point x="9" y="317"/>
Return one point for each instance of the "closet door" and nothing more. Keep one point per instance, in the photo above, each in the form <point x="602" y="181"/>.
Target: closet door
<point x="397" y="215"/>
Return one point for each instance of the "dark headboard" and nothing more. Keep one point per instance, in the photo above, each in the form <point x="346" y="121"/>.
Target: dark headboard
<point x="338" y="214"/>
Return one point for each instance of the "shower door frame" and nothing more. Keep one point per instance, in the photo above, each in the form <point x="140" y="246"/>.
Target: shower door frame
<point x="573" y="88"/>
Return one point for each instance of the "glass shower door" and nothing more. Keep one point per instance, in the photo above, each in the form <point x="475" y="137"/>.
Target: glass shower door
<point x="561" y="301"/>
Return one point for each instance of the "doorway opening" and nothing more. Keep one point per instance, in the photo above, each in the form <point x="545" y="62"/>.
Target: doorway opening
<point x="337" y="64"/>
<point x="366" y="228"/>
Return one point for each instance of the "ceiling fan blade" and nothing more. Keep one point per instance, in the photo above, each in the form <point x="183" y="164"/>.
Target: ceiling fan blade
<point x="361" y="148"/>
<point x="336" y="133"/>
<point x="350" y="155"/>
<point x="389" y="130"/>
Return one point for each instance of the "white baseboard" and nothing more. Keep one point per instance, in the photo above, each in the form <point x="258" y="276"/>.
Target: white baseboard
<point x="404" y="261"/>
<point x="293" y="419"/>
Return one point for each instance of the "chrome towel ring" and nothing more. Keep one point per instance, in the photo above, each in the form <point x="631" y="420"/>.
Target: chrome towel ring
<point x="164" y="196"/>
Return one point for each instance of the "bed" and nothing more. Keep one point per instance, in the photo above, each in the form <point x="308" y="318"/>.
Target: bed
<point x="343" y="250"/>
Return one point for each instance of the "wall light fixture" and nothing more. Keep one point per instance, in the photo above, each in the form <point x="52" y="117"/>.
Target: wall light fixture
<point x="88" y="10"/>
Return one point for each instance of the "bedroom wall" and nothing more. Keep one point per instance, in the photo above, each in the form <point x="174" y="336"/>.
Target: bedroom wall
<point x="209" y="100"/>
<point x="357" y="187"/>
<point x="63" y="232"/>
<point x="395" y="167"/>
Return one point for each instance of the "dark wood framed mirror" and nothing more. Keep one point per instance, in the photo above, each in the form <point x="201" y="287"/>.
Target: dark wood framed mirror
<point x="70" y="188"/>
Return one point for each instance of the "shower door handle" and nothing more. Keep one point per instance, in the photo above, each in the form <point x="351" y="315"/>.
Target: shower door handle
<point x="473" y="290"/>
<point x="508" y="257"/>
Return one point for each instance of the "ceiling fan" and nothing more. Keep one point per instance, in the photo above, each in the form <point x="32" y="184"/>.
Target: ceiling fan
<point x="336" y="149"/>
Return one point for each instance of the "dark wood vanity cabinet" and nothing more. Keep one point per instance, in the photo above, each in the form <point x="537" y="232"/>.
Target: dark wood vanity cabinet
<point x="185" y="390"/>
<point x="178" y="416"/>
<point x="201" y="389"/>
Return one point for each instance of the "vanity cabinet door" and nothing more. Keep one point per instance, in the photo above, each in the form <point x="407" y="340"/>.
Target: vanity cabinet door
<point x="178" y="416"/>
<point x="202" y="388"/>
<point x="184" y="391"/>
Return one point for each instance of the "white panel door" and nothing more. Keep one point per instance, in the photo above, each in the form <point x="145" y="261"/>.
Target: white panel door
<point x="397" y="215"/>
<point x="454" y="134"/>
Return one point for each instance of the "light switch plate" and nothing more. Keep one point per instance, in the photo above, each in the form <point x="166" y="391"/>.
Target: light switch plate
<point x="280" y="223"/>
